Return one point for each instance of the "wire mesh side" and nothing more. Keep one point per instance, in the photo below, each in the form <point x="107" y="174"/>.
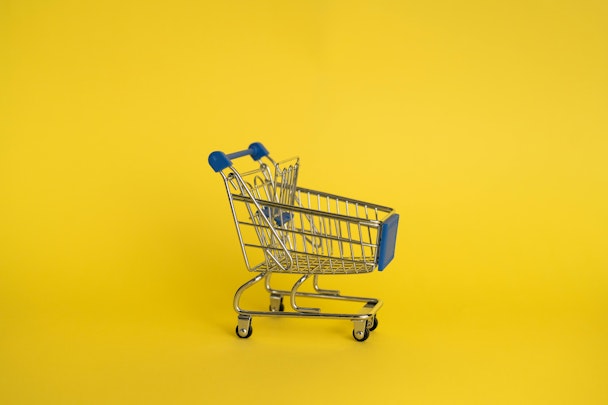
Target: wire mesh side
<point x="285" y="180"/>
<point x="323" y="233"/>
<point x="274" y="182"/>
<point x="284" y="228"/>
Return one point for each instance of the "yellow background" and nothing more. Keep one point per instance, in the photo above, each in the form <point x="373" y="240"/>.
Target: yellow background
<point x="483" y="123"/>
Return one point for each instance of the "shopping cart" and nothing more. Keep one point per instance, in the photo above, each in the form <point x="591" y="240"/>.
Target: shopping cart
<point x="283" y="228"/>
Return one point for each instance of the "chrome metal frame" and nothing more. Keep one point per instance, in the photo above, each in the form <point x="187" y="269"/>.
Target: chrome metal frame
<point x="364" y="321"/>
<point x="293" y="230"/>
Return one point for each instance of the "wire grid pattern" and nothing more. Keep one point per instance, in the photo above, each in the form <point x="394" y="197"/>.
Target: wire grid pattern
<point x="309" y="232"/>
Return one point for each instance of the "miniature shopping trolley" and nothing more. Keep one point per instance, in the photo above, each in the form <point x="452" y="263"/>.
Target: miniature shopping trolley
<point x="287" y="229"/>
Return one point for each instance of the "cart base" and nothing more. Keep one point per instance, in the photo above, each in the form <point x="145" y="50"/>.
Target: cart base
<point x="364" y="321"/>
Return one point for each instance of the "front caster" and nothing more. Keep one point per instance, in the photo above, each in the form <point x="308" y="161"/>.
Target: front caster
<point x="244" y="328"/>
<point x="360" y="330"/>
<point x="372" y="324"/>
<point x="281" y="308"/>
<point x="276" y="303"/>
<point x="244" y="333"/>
<point x="361" y="335"/>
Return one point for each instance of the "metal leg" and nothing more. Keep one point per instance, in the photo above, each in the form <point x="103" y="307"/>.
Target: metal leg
<point x="363" y="322"/>
<point x="271" y="290"/>
<point x="276" y="296"/>
<point x="243" y="327"/>
<point x="315" y="284"/>
<point x="239" y="292"/>
<point x="267" y="283"/>
<point x="294" y="292"/>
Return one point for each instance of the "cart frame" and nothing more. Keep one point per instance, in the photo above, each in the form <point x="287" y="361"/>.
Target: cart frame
<point x="294" y="233"/>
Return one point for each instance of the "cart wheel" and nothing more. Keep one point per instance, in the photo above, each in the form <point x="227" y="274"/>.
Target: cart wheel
<point x="276" y="304"/>
<point x="244" y="333"/>
<point x="361" y="336"/>
<point x="374" y="324"/>
<point x="280" y="309"/>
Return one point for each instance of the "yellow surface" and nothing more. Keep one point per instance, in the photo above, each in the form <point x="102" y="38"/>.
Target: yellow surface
<point x="485" y="125"/>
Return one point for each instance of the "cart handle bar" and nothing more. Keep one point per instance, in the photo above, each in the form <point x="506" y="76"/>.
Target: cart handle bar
<point x="219" y="160"/>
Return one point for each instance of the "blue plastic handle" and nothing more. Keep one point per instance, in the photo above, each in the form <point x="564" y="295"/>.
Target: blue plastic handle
<point x="219" y="160"/>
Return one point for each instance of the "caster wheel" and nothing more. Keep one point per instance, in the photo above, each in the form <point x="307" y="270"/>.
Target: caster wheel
<point x="244" y="333"/>
<point x="374" y="324"/>
<point x="276" y="304"/>
<point x="361" y="336"/>
<point x="281" y="308"/>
